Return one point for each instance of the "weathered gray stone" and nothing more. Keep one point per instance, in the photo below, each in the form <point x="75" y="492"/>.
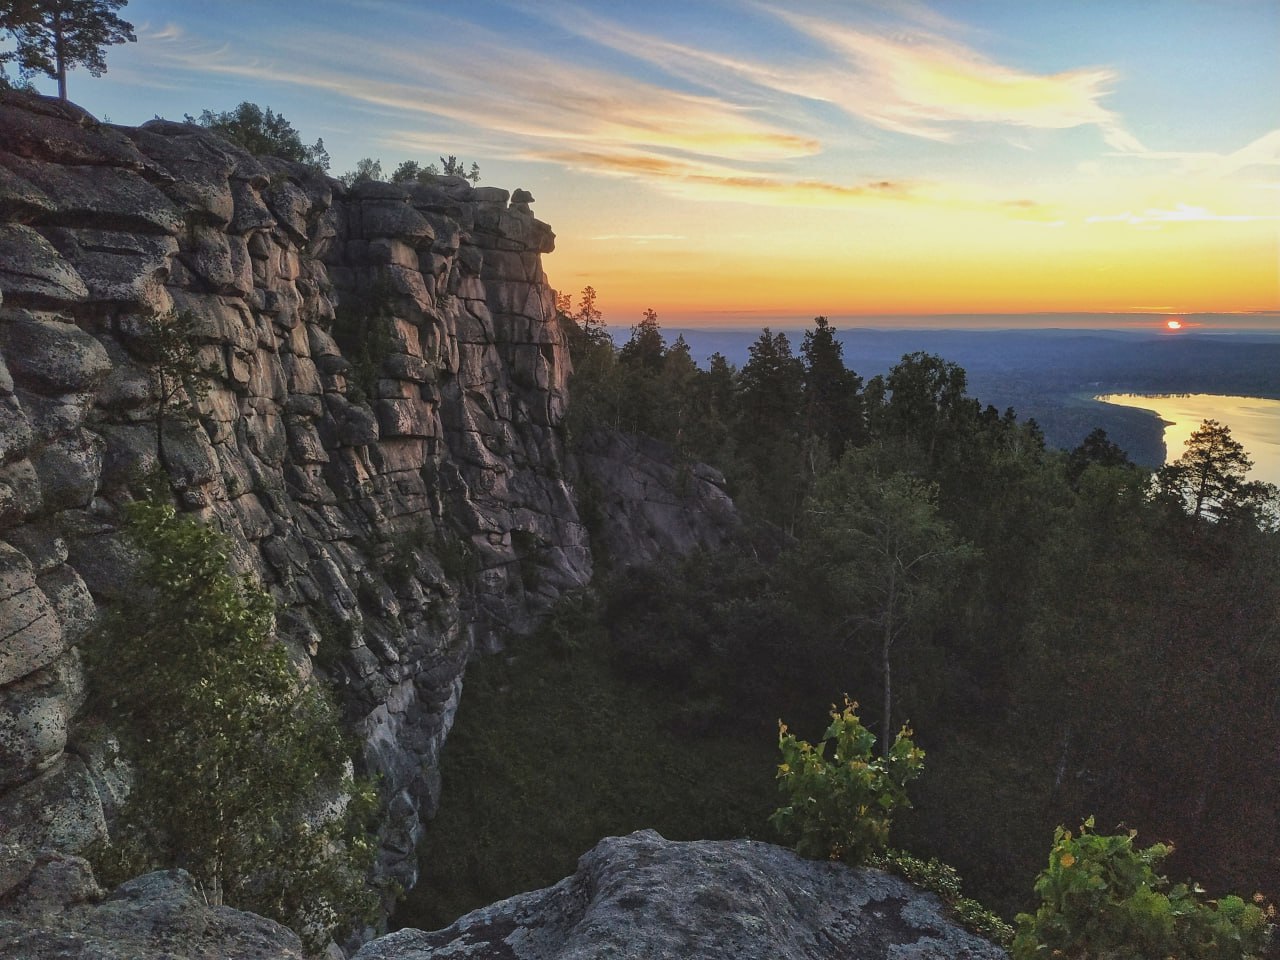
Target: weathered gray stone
<point x="107" y="197"/>
<point x="118" y="266"/>
<point x="200" y="163"/>
<point x="33" y="272"/>
<point x="68" y="469"/>
<point x="19" y="492"/>
<point x="60" y="808"/>
<point x="291" y="207"/>
<point x="30" y="635"/>
<point x="52" y="130"/>
<point x="652" y="507"/>
<point x="34" y="713"/>
<point x="643" y="897"/>
<point x="207" y="252"/>
<point x="16" y="436"/>
<point x="19" y="200"/>
<point x="71" y="600"/>
<point x="54" y="357"/>
<point x="58" y="911"/>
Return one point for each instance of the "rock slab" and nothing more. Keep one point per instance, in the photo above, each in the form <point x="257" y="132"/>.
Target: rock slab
<point x="647" y="898"/>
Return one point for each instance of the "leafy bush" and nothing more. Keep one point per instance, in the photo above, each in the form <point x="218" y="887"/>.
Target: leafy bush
<point x="1101" y="897"/>
<point x="841" y="808"/>
<point x="242" y="775"/>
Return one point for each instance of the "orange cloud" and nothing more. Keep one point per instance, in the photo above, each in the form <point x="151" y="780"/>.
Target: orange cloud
<point x="712" y="181"/>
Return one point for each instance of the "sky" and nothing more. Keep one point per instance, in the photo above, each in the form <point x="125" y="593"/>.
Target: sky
<point x="721" y="162"/>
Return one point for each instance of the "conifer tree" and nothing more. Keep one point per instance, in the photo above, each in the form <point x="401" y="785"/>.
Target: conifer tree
<point x="1209" y="478"/>
<point x="832" y="403"/>
<point x="54" y="36"/>
<point x="236" y="761"/>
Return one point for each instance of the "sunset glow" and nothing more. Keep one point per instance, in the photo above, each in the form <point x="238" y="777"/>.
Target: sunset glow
<point x="722" y="161"/>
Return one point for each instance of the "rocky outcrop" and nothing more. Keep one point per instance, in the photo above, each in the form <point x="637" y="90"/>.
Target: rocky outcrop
<point x="58" y="911"/>
<point x="647" y="898"/>
<point x="378" y="428"/>
<point x="650" y="504"/>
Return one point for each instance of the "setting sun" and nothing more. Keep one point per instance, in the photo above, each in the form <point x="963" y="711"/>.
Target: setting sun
<point x="1174" y="324"/>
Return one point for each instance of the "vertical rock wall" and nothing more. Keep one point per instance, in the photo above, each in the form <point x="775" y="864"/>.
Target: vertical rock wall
<point x="404" y="506"/>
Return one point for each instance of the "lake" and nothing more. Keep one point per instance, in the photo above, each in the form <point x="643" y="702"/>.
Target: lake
<point x="1255" y="423"/>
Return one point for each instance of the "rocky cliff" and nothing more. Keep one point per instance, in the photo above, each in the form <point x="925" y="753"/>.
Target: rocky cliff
<point x="379" y="431"/>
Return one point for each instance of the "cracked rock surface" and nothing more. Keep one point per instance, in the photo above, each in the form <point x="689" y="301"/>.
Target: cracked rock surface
<point x="647" y="898"/>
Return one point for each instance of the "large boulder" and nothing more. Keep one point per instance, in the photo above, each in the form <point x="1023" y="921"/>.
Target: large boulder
<point x="58" y="911"/>
<point x="647" y="898"/>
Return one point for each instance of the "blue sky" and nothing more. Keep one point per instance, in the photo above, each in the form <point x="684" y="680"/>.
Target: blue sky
<point x="818" y="157"/>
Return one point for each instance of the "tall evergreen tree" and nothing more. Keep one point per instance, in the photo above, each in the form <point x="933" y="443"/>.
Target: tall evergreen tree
<point x="647" y="346"/>
<point x="54" y="36"/>
<point x="1208" y="480"/>
<point x="770" y="397"/>
<point x="832" y="400"/>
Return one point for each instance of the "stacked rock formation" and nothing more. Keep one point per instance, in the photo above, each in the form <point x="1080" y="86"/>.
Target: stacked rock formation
<point x="407" y="500"/>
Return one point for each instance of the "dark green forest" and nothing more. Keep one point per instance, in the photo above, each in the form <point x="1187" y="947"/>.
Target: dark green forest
<point x="1067" y="635"/>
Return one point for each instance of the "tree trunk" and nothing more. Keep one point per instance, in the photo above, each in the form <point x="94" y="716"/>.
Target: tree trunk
<point x="59" y="44"/>
<point x="886" y="644"/>
<point x="888" y="692"/>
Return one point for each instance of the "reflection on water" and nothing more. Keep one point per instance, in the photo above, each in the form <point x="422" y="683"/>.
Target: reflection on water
<point x="1253" y="422"/>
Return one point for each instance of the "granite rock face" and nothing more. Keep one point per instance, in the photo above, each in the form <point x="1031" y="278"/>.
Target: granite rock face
<point x="380" y="434"/>
<point x="646" y="898"/>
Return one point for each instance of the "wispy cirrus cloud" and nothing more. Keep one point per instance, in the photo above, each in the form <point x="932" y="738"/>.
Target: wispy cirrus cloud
<point x="926" y="85"/>
<point x="479" y="81"/>
<point x="919" y="83"/>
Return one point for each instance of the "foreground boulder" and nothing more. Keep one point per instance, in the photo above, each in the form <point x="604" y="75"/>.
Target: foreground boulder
<point x="58" y="911"/>
<point x="641" y="896"/>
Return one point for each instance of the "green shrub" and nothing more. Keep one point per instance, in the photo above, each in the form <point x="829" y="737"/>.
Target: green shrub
<point x="241" y="770"/>
<point x="1101" y="897"/>
<point x="841" y="808"/>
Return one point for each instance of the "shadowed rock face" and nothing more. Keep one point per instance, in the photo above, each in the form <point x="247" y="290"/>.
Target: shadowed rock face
<point x="641" y="896"/>
<point x="405" y="508"/>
